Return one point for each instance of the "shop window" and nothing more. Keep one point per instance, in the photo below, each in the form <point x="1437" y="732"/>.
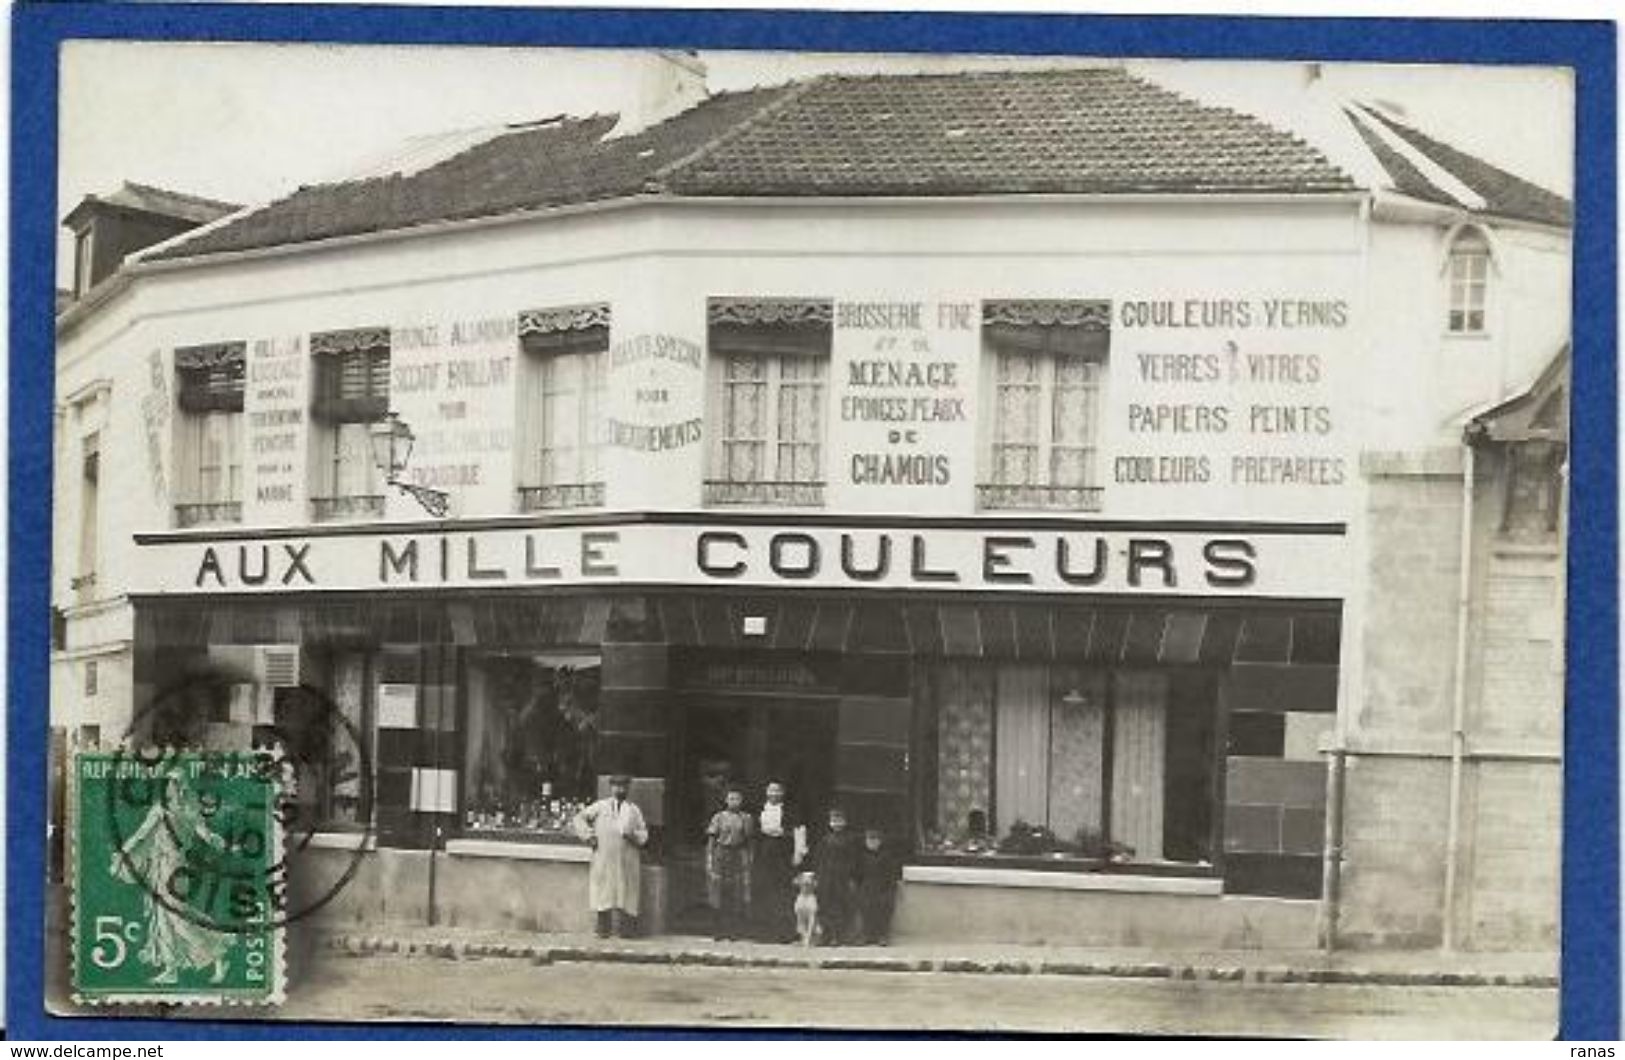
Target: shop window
<point x="532" y="733"/>
<point x="322" y="706"/>
<point x="1067" y="765"/>
<point x="769" y="376"/>
<point x="562" y="421"/>
<point x="1468" y="275"/>
<point x="352" y="394"/>
<point x="1048" y="366"/>
<point x="209" y="433"/>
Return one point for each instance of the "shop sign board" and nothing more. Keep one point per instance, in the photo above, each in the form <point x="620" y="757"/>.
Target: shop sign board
<point x="1243" y="560"/>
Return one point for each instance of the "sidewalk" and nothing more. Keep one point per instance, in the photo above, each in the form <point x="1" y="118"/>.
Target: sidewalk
<point x="1376" y="968"/>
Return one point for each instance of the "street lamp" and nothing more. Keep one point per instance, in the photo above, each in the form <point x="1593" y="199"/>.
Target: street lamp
<point x="392" y="440"/>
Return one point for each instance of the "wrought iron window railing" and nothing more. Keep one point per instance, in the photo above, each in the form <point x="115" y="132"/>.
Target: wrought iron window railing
<point x="208" y="513"/>
<point x="563" y="495"/>
<point x="359" y="506"/>
<point x="1001" y="497"/>
<point x="789" y="494"/>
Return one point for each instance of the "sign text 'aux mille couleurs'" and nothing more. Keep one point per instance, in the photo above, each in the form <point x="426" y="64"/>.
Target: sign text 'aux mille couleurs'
<point x="1260" y="561"/>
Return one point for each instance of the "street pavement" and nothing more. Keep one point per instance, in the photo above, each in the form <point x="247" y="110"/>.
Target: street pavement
<point x="339" y="986"/>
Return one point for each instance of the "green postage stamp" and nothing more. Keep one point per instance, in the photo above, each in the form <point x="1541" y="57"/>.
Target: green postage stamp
<point x="179" y="878"/>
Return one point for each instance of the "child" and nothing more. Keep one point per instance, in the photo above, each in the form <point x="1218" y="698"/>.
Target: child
<point x="836" y="864"/>
<point x="878" y="873"/>
<point x="727" y="862"/>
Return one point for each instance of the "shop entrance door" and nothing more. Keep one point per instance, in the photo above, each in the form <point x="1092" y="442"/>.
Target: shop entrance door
<point x="749" y="740"/>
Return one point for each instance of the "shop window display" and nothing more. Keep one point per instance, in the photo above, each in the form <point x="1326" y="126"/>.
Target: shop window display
<point x="532" y="733"/>
<point x="328" y="787"/>
<point x="1077" y="767"/>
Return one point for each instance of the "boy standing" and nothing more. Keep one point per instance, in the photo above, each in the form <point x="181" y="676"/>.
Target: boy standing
<point x="878" y="872"/>
<point x="727" y="860"/>
<point x="836" y="863"/>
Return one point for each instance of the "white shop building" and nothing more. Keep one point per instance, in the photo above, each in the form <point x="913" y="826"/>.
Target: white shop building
<point x="1039" y="465"/>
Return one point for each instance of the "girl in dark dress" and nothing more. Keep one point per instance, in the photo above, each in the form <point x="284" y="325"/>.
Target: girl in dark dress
<point x="781" y="843"/>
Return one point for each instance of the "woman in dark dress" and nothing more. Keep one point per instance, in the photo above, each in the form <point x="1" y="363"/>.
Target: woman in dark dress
<point x="781" y="843"/>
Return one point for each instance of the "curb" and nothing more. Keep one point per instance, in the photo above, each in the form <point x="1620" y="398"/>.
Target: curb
<point x="369" y="945"/>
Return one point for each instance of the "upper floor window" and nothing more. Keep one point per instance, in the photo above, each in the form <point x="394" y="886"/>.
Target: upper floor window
<point x="209" y="433"/>
<point x="90" y="485"/>
<point x="1468" y="271"/>
<point x="769" y="372"/>
<point x="561" y="421"/>
<point x="352" y="393"/>
<point x="1048" y="365"/>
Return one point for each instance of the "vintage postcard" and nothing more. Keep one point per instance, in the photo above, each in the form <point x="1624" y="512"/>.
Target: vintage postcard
<point x="702" y="537"/>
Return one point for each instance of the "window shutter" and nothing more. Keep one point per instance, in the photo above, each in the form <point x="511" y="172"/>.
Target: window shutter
<point x="212" y="377"/>
<point x="352" y="375"/>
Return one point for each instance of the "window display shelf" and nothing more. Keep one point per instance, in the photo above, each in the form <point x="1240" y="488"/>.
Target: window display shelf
<point x="560" y="836"/>
<point x="1064" y="863"/>
<point x="531" y="848"/>
<point x="999" y="875"/>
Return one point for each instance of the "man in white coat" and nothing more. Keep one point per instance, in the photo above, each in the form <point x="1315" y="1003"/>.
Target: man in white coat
<point x="615" y="829"/>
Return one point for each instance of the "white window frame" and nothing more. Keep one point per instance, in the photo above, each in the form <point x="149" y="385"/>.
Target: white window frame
<point x="590" y="372"/>
<point x="1468" y="267"/>
<point x="776" y="480"/>
<point x="348" y="481"/>
<point x="777" y="449"/>
<point x="90" y="478"/>
<point x="84" y="246"/>
<point x="196" y="441"/>
<point x="1045" y="442"/>
<point x="573" y="337"/>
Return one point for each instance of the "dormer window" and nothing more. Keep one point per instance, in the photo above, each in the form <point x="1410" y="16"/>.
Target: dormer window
<point x="83" y="247"/>
<point x="1468" y="274"/>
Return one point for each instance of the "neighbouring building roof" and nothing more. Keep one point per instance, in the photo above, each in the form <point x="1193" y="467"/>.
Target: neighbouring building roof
<point x="1091" y="130"/>
<point x="1406" y="154"/>
<point x="1539" y="412"/>
<point x="160" y="201"/>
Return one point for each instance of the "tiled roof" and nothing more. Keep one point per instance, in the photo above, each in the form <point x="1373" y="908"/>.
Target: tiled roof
<point x="1081" y="130"/>
<point x="1091" y="130"/>
<point x="161" y="201"/>
<point x="1504" y="194"/>
<point x="557" y="163"/>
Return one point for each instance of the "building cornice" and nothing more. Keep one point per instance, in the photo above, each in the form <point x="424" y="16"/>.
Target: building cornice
<point x="79" y="312"/>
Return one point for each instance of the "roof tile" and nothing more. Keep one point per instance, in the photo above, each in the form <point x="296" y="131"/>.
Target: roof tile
<point x="1091" y="131"/>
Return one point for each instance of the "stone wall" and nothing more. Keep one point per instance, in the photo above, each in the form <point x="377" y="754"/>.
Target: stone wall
<point x="1397" y="791"/>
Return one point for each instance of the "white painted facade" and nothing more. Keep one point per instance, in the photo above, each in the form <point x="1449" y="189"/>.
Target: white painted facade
<point x="1390" y="378"/>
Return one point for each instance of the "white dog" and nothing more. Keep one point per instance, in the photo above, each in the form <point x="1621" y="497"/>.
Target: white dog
<point x="807" y="908"/>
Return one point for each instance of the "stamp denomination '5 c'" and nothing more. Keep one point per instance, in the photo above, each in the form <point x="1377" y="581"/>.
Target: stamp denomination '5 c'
<point x="179" y="878"/>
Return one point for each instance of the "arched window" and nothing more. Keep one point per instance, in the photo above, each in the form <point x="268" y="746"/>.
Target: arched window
<point x="1468" y="272"/>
